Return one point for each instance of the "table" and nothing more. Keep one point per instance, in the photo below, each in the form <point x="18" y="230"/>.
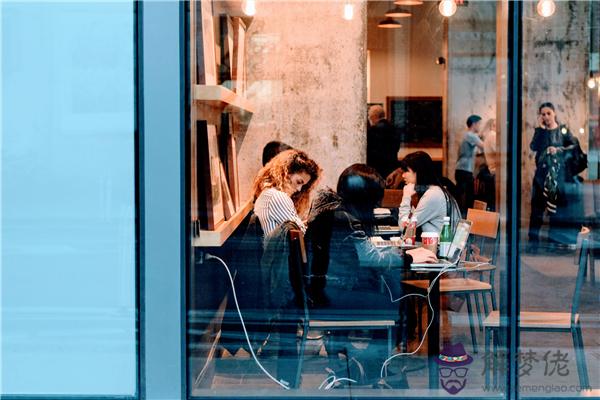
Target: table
<point x="433" y="340"/>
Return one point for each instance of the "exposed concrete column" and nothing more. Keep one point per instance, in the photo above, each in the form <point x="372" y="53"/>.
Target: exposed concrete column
<point x="307" y="79"/>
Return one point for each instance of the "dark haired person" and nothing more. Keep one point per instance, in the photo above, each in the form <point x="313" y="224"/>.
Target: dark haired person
<point x="339" y="227"/>
<point x="555" y="187"/>
<point x="273" y="148"/>
<point x="382" y="142"/>
<point x="347" y="270"/>
<point x="466" y="163"/>
<point x="424" y="190"/>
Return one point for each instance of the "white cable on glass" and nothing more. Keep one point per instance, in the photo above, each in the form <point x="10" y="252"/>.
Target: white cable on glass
<point x="383" y="372"/>
<point x="335" y="380"/>
<point x="281" y="383"/>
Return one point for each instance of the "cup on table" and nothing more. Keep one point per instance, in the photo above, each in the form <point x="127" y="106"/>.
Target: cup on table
<point x="430" y="241"/>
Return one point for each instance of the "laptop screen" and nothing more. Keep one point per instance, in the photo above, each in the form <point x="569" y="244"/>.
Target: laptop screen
<point x="460" y="240"/>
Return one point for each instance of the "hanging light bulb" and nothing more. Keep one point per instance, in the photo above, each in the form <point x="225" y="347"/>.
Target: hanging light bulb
<point x="249" y="8"/>
<point x="447" y="8"/>
<point x="348" y="11"/>
<point x="591" y="83"/>
<point x="546" y="8"/>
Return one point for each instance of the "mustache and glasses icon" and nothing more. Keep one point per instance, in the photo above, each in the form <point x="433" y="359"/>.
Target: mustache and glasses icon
<point x="453" y="373"/>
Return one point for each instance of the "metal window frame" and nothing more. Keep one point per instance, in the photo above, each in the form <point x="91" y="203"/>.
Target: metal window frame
<point x="510" y="312"/>
<point x="164" y="236"/>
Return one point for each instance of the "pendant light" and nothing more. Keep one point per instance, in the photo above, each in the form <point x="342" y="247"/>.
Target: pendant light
<point x="398" y="12"/>
<point x="546" y="8"/>
<point x="348" y="11"/>
<point x="249" y="7"/>
<point x="408" y="2"/>
<point x="591" y="83"/>
<point x="447" y="8"/>
<point x="389" y="23"/>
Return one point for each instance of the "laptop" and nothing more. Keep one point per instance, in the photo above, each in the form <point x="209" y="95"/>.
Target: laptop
<point x="458" y="245"/>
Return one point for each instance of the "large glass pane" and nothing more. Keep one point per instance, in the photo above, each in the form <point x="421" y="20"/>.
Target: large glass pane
<point x="68" y="199"/>
<point x="559" y="296"/>
<point x="355" y="318"/>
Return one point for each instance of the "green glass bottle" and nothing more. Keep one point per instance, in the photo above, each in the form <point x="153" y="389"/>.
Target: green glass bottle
<point x="445" y="239"/>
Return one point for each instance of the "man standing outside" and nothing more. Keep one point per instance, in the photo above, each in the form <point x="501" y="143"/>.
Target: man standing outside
<point x="382" y="142"/>
<point x="466" y="162"/>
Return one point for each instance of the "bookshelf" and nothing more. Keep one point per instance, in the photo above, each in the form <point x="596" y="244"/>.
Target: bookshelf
<point x="218" y="236"/>
<point x="219" y="115"/>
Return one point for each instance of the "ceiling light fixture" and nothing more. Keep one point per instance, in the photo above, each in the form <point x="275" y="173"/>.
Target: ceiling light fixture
<point x="408" y="2"/>
<point x="546" y="8"/>
<point x="348" y="11"/>
<point x="389" y="23"/>
<point x="591" y="83"/>
<point x="447" y="8"/>
<point x="398" y="12"/>
<point x="249" y="8"/>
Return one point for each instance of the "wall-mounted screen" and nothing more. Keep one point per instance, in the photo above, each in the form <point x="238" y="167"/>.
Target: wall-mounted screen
<point x="417" y="119"/>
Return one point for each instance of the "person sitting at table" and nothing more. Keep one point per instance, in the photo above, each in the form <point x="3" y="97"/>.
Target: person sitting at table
<point x="282" y="189"/>
<point x="339" y="227"/>
<point x="424" y="196"/>
<point x="347" y="270"/>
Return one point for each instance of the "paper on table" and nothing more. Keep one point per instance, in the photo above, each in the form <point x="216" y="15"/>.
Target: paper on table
<point x="382" y="211"/>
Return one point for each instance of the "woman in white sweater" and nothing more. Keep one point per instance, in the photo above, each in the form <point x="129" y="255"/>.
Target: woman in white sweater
<point x="423" y="195"/>
<point x="282" y="189"/>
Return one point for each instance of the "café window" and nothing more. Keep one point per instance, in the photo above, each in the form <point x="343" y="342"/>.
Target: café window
<point x="349" y="175"/>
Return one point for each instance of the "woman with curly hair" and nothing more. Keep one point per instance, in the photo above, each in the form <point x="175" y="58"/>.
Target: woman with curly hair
<point x="282" y="189"/>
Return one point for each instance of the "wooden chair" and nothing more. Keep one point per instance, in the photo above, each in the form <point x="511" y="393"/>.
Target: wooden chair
<point x="299" y="263"/>
<point x="544" y="321"/>
<point x="485" y="225"/>
<point x="479" y="205"/>
<point x="485" y="230"/>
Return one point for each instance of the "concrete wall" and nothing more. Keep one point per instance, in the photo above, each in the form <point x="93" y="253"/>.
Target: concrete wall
<point x="307" y="78"/>
<point x="471" y="70"/>
<point x="555" y="66"/>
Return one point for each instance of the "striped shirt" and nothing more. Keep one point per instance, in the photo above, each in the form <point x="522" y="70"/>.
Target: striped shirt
<point x="273" y="207"/>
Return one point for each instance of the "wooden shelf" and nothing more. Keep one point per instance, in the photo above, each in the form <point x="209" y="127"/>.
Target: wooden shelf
<point x="217" y="96"/>
<point x="217" y="237"/>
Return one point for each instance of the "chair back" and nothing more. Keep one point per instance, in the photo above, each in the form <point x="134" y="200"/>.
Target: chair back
<point x="485" y="225"/>
<point x="298" y="267"/>
<point x="581" y="257"/>
<point x="479" y="205"/>
<point x="391" y="198"/>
